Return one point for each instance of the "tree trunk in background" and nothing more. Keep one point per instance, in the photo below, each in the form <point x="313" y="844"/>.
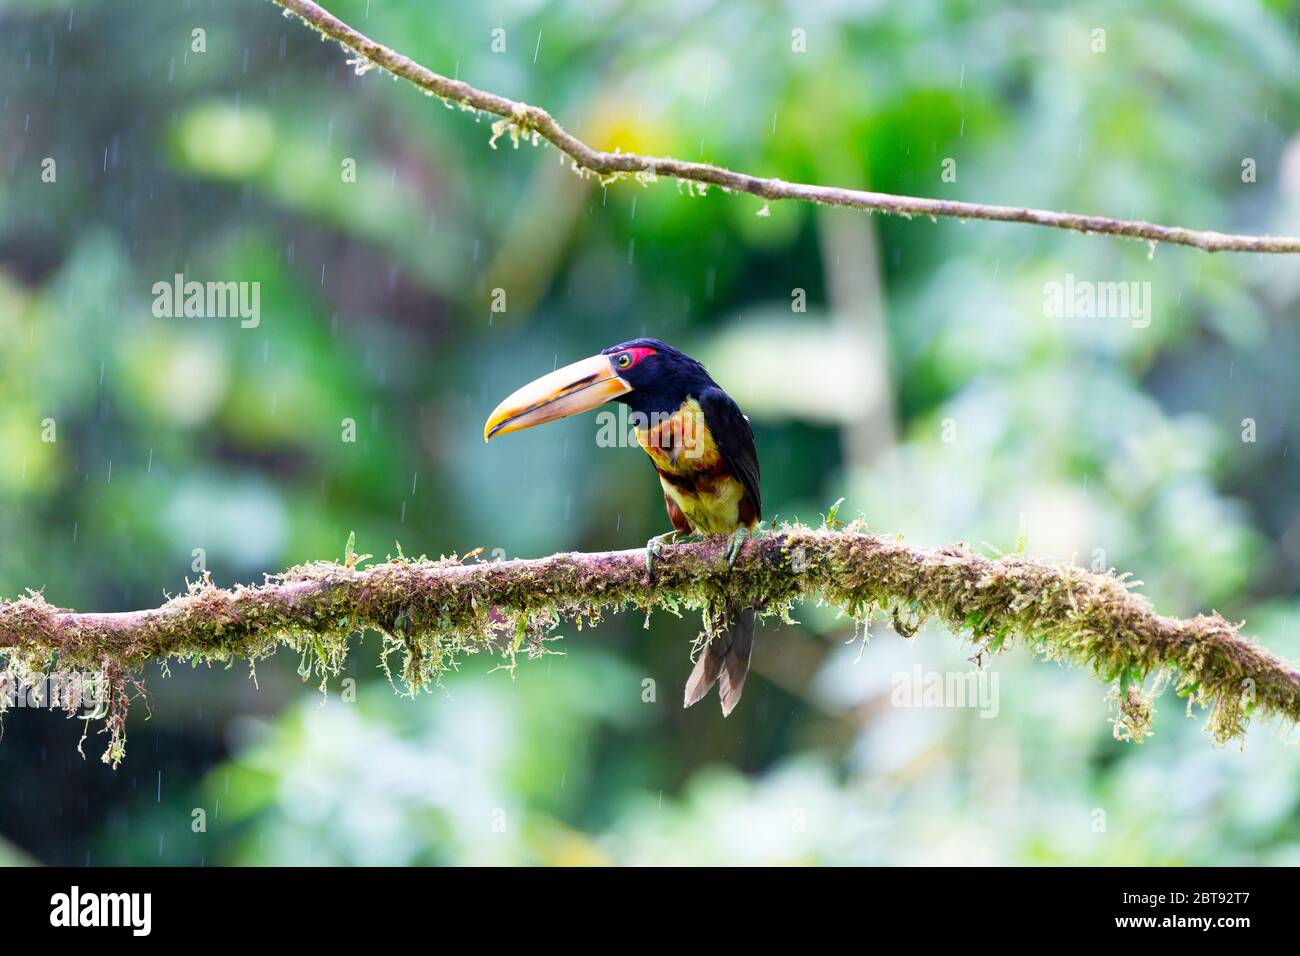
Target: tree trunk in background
<point x="851" y="263"/>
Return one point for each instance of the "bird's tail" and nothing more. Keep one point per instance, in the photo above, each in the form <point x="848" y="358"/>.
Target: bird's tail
<point x="725" y="661"/>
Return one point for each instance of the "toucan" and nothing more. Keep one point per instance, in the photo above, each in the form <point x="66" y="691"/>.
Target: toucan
<point x="703" y="449"/>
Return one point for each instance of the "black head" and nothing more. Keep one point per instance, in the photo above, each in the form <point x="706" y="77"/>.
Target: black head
<point x="661" y="376"/>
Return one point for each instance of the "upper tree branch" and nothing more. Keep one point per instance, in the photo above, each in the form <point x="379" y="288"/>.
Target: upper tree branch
<point x="431" y="611"/>
<point x="524" y="119"/>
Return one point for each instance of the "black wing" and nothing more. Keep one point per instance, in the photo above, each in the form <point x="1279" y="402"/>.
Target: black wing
<point x="735" y="441"/>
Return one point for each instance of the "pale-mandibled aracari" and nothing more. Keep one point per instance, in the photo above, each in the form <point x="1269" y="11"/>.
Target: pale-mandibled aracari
<point x="701" y="445"/>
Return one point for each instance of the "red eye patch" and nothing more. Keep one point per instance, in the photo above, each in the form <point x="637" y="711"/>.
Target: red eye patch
<point x="629" y="357"/>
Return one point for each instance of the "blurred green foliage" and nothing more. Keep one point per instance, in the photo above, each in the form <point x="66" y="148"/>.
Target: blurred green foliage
<point x="951" y="412"/>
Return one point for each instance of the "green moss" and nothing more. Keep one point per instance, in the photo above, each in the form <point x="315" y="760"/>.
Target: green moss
<point x="430" y="614"/>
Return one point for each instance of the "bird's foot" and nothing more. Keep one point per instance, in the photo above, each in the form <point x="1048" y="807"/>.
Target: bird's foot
<point x="655" y="545"/>
<point x="734" y="545"/>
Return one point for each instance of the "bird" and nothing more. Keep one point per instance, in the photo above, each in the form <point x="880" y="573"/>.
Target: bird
<point x="702" y="447"/>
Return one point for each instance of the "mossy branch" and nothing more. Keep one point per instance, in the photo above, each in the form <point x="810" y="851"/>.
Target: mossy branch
<point x="530" y="122"/>
<point x="432" y="612"/>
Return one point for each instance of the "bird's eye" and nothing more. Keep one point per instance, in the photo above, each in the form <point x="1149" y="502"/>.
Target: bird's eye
<point x="624" y="360"/>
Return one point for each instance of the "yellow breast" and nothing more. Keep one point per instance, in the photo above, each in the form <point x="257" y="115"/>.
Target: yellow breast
<point x="713" y="508"/>
<point x="691" y="469"/>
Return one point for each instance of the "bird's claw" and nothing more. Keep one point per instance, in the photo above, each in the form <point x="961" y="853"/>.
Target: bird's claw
<point x="735" y="544"/>
<point x="656" y="544"/>
<point x="653" y="547"/>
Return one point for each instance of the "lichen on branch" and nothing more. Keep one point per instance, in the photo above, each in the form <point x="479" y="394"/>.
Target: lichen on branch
<point x="432" y="613"/>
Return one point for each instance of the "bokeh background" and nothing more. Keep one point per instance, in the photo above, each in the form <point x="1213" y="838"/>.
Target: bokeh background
<point x="924" y="383"/>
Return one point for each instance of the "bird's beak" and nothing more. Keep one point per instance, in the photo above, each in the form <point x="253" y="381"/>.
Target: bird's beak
<point x="566" y="391"/>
